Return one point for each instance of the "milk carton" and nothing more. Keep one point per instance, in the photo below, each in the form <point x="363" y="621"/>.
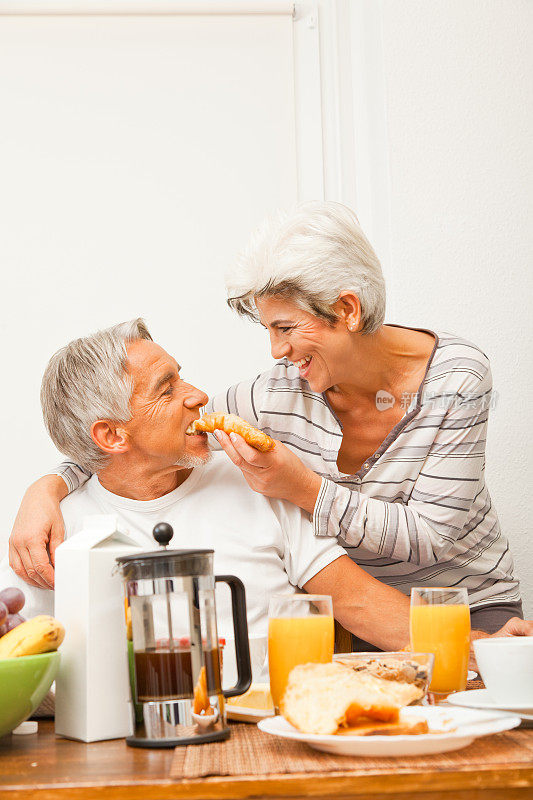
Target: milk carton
<point x="92" y="687"/>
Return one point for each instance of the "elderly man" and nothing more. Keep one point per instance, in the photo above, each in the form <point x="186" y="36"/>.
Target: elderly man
<point x="116" y="404"/>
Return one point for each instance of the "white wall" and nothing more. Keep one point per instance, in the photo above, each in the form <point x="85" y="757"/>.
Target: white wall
<point x="137" y="153"/>
<point x="448" y="109"/>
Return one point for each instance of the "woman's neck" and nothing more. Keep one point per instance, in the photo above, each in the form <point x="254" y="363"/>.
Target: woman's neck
<point x="390" y="360"/>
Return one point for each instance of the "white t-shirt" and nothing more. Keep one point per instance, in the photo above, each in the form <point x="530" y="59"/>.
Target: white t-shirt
<point x="268" y="544"/>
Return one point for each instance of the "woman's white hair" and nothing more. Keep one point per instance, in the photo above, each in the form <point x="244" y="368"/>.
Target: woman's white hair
<point x="87" y="381"/>
<point x="310" y="257"/>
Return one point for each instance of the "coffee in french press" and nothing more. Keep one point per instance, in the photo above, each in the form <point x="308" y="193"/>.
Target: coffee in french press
<point x="174" y="655"/>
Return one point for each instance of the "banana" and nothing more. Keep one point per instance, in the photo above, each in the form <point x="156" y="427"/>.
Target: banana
<point x="37" y="635"/>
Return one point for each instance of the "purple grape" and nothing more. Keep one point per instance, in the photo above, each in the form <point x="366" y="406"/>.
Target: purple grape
<point x="3" y="628"/>
<point x="3" y="613"/>
<point x="12" y="621"/>
<point x="13" y="598"/>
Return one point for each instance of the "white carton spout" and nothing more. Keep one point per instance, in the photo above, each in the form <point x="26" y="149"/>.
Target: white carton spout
<point x="92" y="688"/>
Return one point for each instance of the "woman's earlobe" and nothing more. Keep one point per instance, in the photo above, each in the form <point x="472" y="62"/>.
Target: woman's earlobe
<point x="352" y="322"/>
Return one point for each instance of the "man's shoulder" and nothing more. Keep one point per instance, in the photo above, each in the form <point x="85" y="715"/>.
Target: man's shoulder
<point x="226" y="489"/>
<point x="221" y="477"/>
<point x="76" y="505"/>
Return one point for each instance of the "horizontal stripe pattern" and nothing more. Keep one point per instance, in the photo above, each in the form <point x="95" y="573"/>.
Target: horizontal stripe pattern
<point x="418" y="512"/>
<point x="73" y="475"/>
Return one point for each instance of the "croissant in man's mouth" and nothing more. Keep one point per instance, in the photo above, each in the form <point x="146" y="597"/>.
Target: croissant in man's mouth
<point x="231" y="423"/>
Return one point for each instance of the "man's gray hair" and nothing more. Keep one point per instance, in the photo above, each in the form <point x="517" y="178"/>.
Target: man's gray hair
<point x="87" y="381"/>
<point x="310" y="257"/>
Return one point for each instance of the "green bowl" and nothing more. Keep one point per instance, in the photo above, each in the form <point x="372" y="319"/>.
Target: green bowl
<point x="24" y="682"/>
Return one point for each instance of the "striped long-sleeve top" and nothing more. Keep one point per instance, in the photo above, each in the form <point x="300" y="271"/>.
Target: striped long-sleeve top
<point x="418" y="512"/>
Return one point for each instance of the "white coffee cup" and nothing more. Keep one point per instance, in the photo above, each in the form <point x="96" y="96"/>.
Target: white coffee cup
<point x="506" y="666"/>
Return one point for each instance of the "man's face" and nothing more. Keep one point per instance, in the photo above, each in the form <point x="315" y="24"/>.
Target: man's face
<point x="163" y="406"/>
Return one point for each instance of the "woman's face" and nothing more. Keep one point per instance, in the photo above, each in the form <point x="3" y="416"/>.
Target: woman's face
<point x="318" y="349"/>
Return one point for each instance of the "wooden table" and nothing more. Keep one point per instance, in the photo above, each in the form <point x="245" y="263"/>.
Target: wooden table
<point x="43" y="767"/>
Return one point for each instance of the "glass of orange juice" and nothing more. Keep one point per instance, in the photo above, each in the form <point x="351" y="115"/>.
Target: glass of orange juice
<point x="440" y="624"/>
<point x="300" y="630"/>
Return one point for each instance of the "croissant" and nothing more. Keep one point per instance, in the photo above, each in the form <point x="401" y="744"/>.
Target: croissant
<point x="231" y="423"/>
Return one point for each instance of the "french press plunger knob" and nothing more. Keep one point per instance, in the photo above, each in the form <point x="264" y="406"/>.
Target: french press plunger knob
<point x="163" y="533"/>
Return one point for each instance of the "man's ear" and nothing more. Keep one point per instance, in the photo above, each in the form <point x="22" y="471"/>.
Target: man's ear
<point x="348" y="309"/>
<point x="109" y="438"/>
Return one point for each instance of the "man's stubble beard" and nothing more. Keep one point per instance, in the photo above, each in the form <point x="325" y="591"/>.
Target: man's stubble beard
<point x="190" y="462"/>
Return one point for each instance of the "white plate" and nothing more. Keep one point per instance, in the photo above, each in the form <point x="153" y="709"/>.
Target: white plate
<point x="243" y="714"/>
<point x="460" y="725"/>
<point x="480" y="698"/>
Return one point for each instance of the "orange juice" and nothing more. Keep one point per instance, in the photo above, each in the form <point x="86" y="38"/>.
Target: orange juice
<point x="445" y="631"/>
<point x="293" y="641"/>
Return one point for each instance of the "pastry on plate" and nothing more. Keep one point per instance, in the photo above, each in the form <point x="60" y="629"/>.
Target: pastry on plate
<point x="372" y="727"/>
<point x="326" y="698"/>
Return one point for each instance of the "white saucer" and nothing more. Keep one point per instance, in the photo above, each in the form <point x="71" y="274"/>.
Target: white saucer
<point x="454" y="728"/>
<point x="480" y="698"/>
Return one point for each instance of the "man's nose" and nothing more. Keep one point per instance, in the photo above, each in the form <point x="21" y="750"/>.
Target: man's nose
<point x="195" y="397"/>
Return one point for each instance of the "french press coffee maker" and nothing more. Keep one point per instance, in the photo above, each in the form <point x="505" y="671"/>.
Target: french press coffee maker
<point x="175" y="663"/>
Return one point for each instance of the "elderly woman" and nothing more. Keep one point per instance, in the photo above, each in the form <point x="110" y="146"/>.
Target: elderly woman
<point x="380" y="428"/>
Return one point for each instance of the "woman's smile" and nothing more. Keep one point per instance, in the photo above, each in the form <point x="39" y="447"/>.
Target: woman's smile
<point x="303" y="365"/>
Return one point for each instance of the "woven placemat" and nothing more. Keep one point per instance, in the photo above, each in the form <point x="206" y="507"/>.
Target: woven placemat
<point x="251" y="752"/>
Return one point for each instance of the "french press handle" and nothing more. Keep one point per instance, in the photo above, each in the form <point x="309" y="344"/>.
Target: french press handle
<point x="240" y="629"/>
